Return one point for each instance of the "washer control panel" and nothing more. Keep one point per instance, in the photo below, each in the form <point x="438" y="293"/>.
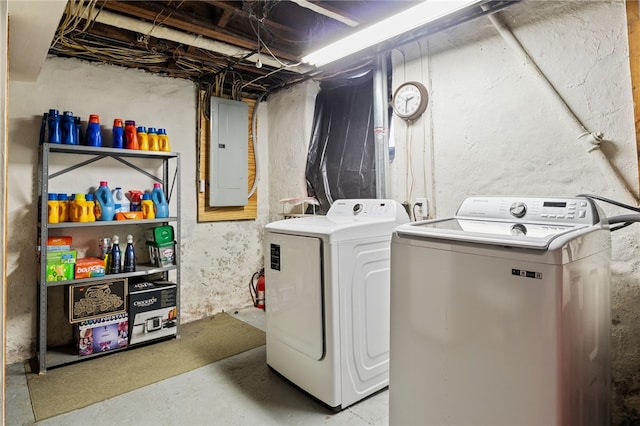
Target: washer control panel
<point x="528" y="209"/>
<point x="366" y="208"/>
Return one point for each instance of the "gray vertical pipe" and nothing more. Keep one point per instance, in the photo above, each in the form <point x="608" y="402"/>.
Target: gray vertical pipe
<point x="381" y="124"/>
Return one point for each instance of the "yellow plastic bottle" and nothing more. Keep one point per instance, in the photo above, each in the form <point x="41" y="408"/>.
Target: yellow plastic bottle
<point x="91" y="208"/>
<point x="154" y="142"/>
<point x="148" y="211"/>
<point x="53" y="208"/>
<point x="80" y="210"/>
<point x="63" y="208"/>
<point x="164" y="140"/>
<point x="143" y="138"/>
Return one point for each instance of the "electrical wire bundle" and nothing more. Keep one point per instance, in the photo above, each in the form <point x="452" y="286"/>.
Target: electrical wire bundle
<point x="623" y="220"/>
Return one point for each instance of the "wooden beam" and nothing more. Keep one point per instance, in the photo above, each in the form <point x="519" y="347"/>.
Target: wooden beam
<point x="633" y="31"/>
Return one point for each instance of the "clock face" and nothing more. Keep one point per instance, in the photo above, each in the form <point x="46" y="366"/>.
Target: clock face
<point x="410" y="100"/>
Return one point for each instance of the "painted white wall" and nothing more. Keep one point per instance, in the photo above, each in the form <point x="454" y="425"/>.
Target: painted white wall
<point x="33" y="25"/>
<point x="492" y="128"/>
<point x="218" y="259"/>
<point x="290" y="120"/>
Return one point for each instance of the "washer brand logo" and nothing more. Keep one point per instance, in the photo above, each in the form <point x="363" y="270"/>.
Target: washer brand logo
<point x="145" y="303"/>
<point x="526" y="274"/>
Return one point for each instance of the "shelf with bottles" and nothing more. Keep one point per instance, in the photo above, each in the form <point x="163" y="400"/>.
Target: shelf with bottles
<point x="60" y="225"/>
<point x="106" y="151"/>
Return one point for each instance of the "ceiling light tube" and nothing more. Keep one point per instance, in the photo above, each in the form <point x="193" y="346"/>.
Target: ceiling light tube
<point x="410" y="19"/>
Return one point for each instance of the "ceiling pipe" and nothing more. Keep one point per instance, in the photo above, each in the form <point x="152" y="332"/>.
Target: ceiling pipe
<point x="135" y="25"/>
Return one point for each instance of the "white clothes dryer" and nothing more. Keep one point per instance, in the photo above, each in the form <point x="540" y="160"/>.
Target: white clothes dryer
<point x="327" y="299"/>
<point x="500" y="315"/>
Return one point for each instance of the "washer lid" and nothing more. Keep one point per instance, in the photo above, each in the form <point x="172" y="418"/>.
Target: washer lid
<point x="347" y="219"/>
<point x="514" y="234"/>
<point x="510" y="221"/>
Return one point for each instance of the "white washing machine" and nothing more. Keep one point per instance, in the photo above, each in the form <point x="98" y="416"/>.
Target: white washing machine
<point x="501" y="315"/>
<point x="327" y="299"/>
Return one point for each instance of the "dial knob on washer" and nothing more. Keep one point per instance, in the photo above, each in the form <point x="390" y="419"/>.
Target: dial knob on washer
<point x="357" y="208"/>
<point x="518" y="209"/>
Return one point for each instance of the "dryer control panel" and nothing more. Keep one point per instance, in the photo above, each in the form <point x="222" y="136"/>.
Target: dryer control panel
<point x="367" y="208"/>
<point x="529" y="209"/>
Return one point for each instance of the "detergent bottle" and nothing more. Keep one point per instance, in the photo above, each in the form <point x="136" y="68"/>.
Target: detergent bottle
<point x="94" y="135"/>
<point x="143" y="138"/>
<point x="154" y="141"/>
<point x="53" y="126"/>
<point x="164" y="140"/>
<point x="118" y="134"/>
<point x="121" y="203"/>
<point x="80" y="209"/>
<point x="105" y="209"/>
<point x="63" y="208"/>
<point x="91" y="204"/>
<point x="161" y="206"/>
<point x="53" y="208"/>
<point x="147" y="207"/>
<point x="131" y="135"/>
<point x="68" y="129"/>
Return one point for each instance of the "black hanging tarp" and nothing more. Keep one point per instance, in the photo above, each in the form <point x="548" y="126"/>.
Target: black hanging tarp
<point x="341" y="158"/>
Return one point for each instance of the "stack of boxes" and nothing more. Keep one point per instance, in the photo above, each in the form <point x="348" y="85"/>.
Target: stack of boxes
<point x="99" y="310"/>
<point x="61" y="259"/>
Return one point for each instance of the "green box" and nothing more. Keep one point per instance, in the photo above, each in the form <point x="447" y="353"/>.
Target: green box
<point x="161" y="234"/>
<point x="61" y="265"/>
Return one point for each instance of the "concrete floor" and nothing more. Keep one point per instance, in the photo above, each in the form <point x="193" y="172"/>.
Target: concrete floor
<point x="240" y="390"/>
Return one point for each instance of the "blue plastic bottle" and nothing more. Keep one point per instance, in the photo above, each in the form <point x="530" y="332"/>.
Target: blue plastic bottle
<point x="129" y="256"/>
<point x="68" y="129"/>
<point x="159" y="201"/>
<point x="94" y="137"/>
<point x="115" y="265"/>
<point x="77" y="123"/>
<point x="105" y="207"/>
<point x="55" y="135"/>
<point x="118" y="134"/>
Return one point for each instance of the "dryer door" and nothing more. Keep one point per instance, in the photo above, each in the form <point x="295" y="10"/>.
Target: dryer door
<point x="293" y="298"/>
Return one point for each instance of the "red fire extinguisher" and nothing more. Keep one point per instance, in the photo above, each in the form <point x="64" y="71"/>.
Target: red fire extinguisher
<point x="256" y="287"/>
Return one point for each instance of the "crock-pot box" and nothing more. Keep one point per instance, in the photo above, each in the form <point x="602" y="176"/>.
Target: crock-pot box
<point x="152" y="310"/>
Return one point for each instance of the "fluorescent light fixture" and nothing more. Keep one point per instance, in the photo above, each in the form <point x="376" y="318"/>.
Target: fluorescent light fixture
<point x="395" y="25"/>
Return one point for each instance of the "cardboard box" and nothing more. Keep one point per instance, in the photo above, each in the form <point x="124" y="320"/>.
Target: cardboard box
<point x="61" y="265"/>
<point x="162" y="254"/>
<point x="89" y="267"/>
<point x="102" y="334"/>
<point x="58" y="243"/>
<point x="96" y="299"/>
<point x="153" y="311"/>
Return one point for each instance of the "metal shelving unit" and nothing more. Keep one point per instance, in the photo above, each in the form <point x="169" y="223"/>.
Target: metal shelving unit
<point x="47" y="356"/>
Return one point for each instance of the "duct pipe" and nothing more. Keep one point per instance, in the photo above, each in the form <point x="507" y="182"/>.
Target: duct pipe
<point x="381" y="124"/>
<point x="130" y="24"/>
<point x="593" y="138"/>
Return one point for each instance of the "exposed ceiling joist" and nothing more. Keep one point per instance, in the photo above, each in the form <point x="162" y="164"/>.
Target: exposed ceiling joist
<point x="326" y="11"/>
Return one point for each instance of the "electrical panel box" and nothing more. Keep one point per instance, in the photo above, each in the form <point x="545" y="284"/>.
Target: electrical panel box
<point x="228" y="159"/>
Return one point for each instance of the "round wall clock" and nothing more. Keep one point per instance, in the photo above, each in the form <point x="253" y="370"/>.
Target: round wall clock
<point x="410" y="100"/>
